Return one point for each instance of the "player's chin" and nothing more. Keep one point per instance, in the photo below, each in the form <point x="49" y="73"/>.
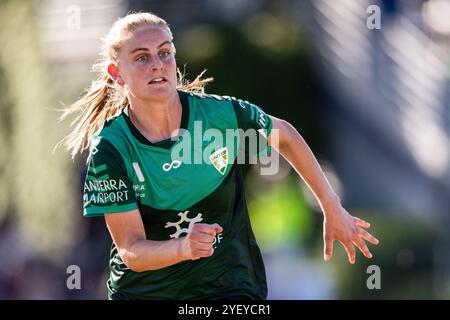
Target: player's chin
<point x="161" y="92"/>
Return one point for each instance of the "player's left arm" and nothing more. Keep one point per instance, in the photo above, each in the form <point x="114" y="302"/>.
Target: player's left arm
<point x="338" y="224"/>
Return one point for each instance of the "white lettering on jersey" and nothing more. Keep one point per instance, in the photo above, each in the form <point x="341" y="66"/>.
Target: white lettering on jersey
<point x="138" y="171"/>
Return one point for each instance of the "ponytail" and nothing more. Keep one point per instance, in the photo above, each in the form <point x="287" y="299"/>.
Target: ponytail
<point x="103" y="100"/>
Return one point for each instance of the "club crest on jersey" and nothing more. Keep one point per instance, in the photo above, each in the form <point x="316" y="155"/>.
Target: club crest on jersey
<point x="219" y="159"/>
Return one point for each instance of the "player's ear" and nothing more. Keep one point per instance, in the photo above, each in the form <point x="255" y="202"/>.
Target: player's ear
<point x="114" y="73"/>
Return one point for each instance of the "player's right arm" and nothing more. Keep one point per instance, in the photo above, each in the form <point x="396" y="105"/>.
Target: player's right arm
<point x="140" y="254"/>
<point x="109" y="191"/>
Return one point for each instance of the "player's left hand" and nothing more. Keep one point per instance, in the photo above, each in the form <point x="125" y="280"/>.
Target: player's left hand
<point x="339" y="225"/>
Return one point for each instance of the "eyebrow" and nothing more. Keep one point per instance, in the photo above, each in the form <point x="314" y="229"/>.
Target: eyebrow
<point x="145" y="49"/>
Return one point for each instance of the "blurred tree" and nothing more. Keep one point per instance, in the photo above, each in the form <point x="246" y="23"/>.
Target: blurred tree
<point x="5" y="144"/>
<point x="280" y="216"/>
<point x="35" y="184"/>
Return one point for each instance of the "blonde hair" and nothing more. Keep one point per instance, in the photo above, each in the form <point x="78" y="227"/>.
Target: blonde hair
<point x="104" y="98"/>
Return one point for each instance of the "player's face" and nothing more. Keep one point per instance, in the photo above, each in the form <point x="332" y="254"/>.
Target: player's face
<point x="147" y="64"/>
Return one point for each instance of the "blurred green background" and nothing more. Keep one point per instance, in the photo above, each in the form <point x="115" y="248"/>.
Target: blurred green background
<point x="372" y="104"/>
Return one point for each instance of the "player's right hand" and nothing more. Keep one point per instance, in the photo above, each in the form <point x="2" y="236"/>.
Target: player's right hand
<point x="199" y="241"/>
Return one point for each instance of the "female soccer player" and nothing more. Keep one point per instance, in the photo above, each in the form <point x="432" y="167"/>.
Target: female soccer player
<point x="179" y="220"/>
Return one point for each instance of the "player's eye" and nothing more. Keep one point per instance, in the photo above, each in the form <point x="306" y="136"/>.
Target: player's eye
<point x="142" y="58"/>
<point x="164" y="54"/>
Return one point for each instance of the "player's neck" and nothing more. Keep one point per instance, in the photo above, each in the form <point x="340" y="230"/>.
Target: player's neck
<point x="156" y="120"/>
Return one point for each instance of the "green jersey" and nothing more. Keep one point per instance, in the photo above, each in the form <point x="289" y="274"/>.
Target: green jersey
<point x="178" y="182"/>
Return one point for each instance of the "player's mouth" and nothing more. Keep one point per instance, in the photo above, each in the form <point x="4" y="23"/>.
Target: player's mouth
<point x="157" y="81"/>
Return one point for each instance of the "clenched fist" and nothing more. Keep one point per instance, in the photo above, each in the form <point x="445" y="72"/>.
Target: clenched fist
<point x="199" y="241"/>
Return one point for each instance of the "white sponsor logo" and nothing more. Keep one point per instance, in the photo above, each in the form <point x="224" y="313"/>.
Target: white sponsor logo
<point x="139" y="190"/>
<point x="180" y="231"/>
<point x="261" y="119"/>
<point x="105" y="191"/>
<point x="173" y="165"/>
<point x="183" y="218"/>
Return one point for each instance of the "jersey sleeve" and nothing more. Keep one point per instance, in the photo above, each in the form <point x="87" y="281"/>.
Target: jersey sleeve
<point x="107" y="188"/>
<point x="251" y="117"/>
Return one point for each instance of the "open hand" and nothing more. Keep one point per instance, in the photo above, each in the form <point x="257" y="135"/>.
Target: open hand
<point x="339" y="225"/>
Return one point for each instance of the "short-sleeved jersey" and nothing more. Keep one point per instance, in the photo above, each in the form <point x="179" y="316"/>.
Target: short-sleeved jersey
<point x="175" y="183"/>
